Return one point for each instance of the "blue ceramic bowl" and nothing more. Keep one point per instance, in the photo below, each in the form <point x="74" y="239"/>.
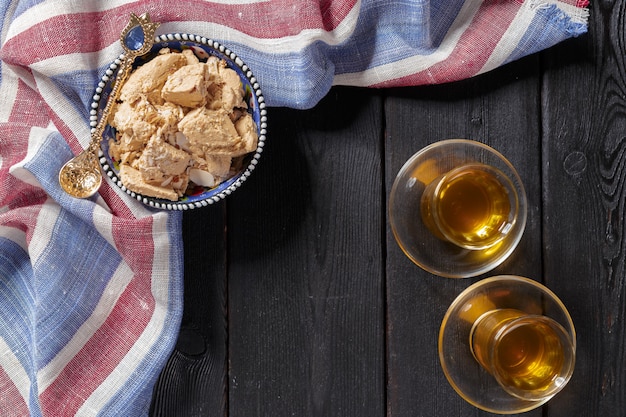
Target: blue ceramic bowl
<point x="203" y="49"/>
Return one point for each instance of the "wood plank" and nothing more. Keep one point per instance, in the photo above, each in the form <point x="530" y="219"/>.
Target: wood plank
<point x="584" y="182"/>
<point x="306" y="311"/>
<point x="501" y="109"/>
<point x="193" y="382"/>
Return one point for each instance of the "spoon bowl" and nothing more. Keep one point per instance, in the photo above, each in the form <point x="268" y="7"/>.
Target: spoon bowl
<point x="81" y="176"/>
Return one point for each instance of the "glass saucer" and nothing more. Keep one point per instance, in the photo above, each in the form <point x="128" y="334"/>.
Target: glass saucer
<point x="468" y="378"/>
<point x="416" y="240"/>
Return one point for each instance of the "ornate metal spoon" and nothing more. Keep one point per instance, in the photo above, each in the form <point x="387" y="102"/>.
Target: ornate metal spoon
<point x="81" y="176"/>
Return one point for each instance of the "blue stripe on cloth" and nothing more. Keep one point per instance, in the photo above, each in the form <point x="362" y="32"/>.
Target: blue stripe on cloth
<point x="18" y="306"/>
<point x="381" y="37"/>
<point x="68" y="291"/>
<point x="17" y="301"/>
<point x="442" y="14"/>
<point x="549" y="27"/>
<point x="300" y="79"/>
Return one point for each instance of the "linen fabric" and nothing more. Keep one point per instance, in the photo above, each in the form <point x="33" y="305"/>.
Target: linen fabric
<point x="91" y="290"/>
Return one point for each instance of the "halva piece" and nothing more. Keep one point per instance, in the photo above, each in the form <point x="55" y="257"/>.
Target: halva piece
<point x="187" y="87"/>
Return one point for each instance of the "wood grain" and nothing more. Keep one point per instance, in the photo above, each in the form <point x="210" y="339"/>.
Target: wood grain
<point x="193" y="383"/>
<point x="306" y="312"/>
<point x="584" y="188"/>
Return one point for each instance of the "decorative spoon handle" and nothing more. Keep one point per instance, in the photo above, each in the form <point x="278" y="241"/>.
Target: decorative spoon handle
<point x="81" y="176"/>
<point x="122" y="75"/>
<point x="137" y="39"/>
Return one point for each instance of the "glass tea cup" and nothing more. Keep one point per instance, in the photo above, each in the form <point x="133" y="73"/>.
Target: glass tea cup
<point x="457" y="208"/>
<point x="531" y="356"/>
<point x="507" y="344"/>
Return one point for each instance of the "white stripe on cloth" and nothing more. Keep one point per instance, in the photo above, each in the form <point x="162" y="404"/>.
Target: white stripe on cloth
<point x="18" y="374"/>
<point x="81" y="61"/>
<point x="15" y="235"/>
<point x="8" y="93"/>
<point x="36" y="138"/>
<point x="42" y="233"/>
<point x="282" y="45"/>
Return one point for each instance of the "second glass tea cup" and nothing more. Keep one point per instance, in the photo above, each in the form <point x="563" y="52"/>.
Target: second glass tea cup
<point x="507" y="344"/>
<point x="457" y="208"/>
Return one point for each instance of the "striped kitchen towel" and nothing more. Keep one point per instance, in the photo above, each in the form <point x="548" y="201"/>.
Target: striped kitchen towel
<point x="91" y="290"/>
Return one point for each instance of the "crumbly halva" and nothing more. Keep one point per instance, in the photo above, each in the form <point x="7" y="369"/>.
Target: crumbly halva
<point x="148" y="79"/>
<point x="210" y="131"/>
<point x="160" y="163"/>
<point x="133" y="180"/>
<point x="180" y="122"/>
<point x="187" y="86"/>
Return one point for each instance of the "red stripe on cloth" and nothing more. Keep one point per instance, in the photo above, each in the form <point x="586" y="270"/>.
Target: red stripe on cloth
<point x="273" y="19"/>
<point x="102" y="353"/>
<point x="11" y="402"/>
<point x="471" y="52"/>
<point x="12" y="151"/>
<point x="29" y="108"/>
<point x="67" y="133"/>
<point x="23" y="217"/>
<point x="107" y="347"/>
<point x="334" y="11"/>
<point x="577" y="3"/>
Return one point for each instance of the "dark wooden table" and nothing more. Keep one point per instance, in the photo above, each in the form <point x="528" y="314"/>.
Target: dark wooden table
<point x="300" y="303"/>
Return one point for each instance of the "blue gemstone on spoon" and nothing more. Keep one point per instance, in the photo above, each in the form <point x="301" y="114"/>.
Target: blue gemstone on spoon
<point x="135" y="38"/>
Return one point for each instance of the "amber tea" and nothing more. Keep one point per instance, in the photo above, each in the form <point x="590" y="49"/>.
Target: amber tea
<point x="530" y="356"/>
<point x="473" y="206"/>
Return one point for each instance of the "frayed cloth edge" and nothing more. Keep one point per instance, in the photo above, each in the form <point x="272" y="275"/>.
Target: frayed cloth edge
<point x="574" y="23"/>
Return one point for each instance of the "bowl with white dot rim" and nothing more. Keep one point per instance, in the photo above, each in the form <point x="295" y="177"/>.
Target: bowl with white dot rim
<point x="203" y="48"/>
